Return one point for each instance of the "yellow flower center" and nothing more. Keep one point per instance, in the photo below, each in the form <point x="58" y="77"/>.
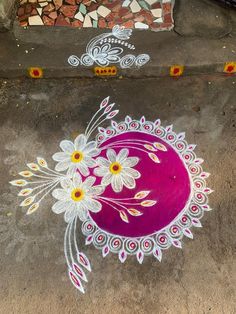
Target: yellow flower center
<point x="77" y="195"/>
<point x="77" y="156"/>
<point x="115" y="168"/>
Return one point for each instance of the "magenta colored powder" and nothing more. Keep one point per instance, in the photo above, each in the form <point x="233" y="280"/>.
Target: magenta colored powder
<point x="168" y="182"/>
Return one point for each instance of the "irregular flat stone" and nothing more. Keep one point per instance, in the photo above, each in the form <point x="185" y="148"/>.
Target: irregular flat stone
<point x="35" y="20"/>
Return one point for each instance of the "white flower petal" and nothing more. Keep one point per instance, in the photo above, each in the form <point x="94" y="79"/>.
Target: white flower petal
<point x="77" y="180"/>
<point x="70" y="214"/>
<point x="90" y="146"/>
<point x="96" y="190"/>
<point x="111" y="155"/>
<point x="67" y="146"/>
<point x="94" y="206"/>
<point x="66" y="184"/>
<point x="122" y="155"/>
<point x="89" y="182"/>
<point x="106" y="180"/>
<point x="62" y="165"/>
<point x="128" y="181"/>
<point x="61" y="156"/>
<point x="93" y="152"/>
<point x="71" y="170"/>
<point x="130" y="162"/>
<point x="116" y="183"/>
<point x="90" y="162"/>
<point x="83" y="214"/>
<point x="101" y="171"/>
<point x="61" y="195"/>
<point x="131" y="172"/>
<point x="60" y="207"/>
<point x="80" y="142"/>
<point x="83" y="169"/>
<point x="102" y="162"/>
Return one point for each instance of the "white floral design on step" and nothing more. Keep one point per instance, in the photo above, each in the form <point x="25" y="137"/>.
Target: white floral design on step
<point x="78" y="155"/>
<point x="108" y="48"/>
<point x="117" y="170"/>
<point x="76" y="197"/>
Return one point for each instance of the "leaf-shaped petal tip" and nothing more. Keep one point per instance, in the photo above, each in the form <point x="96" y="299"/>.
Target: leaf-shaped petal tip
<point x="26" y="174"/>
<point x="18" y="182"/>
<point x="33" y="166"/>
<point x="134" y="212"/>
<point x="160" y="146"/>
<point x="32" y="208"/>
<point x="148" y="203"/>
<point x="123" y="216"/>
<point x="141" y="195"/>
<point x="154" y="158"/>
<point x="42" y="162"/>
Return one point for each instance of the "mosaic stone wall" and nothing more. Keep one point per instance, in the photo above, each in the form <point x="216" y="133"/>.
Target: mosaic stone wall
<point x="141" y="14"/>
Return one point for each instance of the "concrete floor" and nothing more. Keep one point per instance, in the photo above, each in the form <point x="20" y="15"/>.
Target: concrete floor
<point x="34" y="117"/>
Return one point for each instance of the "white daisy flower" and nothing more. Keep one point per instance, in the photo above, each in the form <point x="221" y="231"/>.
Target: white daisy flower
<point x="117" y="170"/>
<point x="76" y="197"/>
<point x="78" y="155"/>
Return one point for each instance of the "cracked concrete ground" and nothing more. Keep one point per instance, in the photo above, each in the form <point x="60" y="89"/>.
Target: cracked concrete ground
<point x="34" y="117"/>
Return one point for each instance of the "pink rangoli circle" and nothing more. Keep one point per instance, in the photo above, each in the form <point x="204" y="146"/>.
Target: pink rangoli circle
<point x="167" y="181"/>
<point x="138" y="188"/>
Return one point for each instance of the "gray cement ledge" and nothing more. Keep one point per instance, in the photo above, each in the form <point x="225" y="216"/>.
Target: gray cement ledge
<point x="50" y="48"/>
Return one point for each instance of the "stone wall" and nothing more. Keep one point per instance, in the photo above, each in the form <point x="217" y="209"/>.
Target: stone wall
<point x="7" y="13"/>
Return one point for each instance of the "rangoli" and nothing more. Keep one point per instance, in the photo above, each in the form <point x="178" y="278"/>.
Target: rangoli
<point x="136" y="186"/>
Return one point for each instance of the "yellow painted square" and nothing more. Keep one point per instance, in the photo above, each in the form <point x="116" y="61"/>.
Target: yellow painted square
<point x="176" y="70"/>
<point x="230" y="67"/>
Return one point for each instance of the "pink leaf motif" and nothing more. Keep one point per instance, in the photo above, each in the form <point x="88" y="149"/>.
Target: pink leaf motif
<point x="196" y="223"/>
<point x="105" y="102"/>
<point x="169" y="128"/>
<point x="149" y="147"/>
<point x="154" y="158"/>
<point x="83" y="260"/>
<point x="142" y="120"/>
<point x="128" y="119"/>
<point x="140" y="256"/>
<point x="191" y="147"/>
<point x="123" y="216"/>
<point x="134" y="212"/>
<point x="157" y="122"/>
<point x="157" y="253"/>
<point x="208" y="190"/>
<point x="141" y="195"/>
<point x="148" y="203"/>
<point x="89" y="240"/>
<point x="188" y="233"/>
<point x="75" y="281"/>
<point x="199" y="161"/>
<point x="122" y="256"/>
<point x="114" y="124"/>
<point x="79" y="271"/>
<point x="177" y="244"/>
<point x="108" y="109"/>
<point x="105" y="251"/>
<point x="112" y="114"/>
<point x="205" y="175"/>
<point x="181" y="136"/>
<point x="101" y="130"/>
<point x="160" y="146"/>
<point x="206" y="207"/>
